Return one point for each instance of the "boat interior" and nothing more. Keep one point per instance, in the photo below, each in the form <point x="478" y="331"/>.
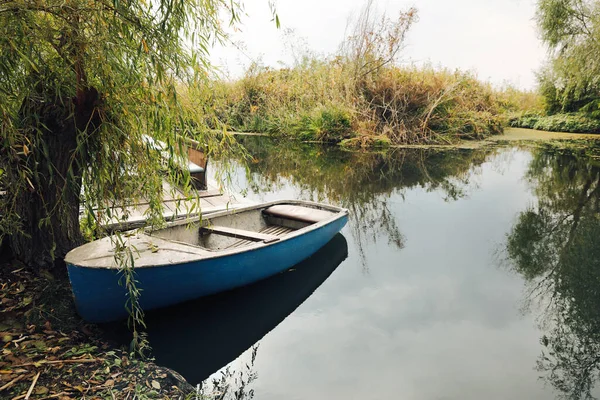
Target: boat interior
<point x="239" y="229"/>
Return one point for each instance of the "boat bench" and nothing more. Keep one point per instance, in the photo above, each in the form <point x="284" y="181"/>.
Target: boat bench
<point x="239" y="233"/>
<point x="298" y="213"/>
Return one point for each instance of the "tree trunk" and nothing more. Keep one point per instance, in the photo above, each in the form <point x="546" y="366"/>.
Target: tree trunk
<point x="49" y="210"/>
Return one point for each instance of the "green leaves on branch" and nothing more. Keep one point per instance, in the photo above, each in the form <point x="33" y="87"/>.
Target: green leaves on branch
<point x="81" y="84"/>
<point x="571" y="29"/>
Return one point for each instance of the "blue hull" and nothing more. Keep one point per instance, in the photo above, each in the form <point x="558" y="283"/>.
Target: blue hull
<point x="100" y="298"/>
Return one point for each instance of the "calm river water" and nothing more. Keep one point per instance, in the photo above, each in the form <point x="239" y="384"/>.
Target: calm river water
<point x="461" y="275"/>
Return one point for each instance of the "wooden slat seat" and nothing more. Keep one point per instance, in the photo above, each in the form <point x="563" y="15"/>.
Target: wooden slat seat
<point x="240" y="233"/>
<point x="298" y="213"/>
<point x="275" y="230"/>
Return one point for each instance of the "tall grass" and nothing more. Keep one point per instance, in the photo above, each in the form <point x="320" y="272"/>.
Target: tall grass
<point x="322" y="100"/>
<point x="360" y="95"/>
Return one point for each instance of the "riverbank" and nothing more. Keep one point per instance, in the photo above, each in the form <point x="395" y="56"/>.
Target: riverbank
<point x="510" y="135"/>
<point x="579" y="122"/>
<point x="48" y="352"/>
<point x="361" y="96"/>
<point x="323" y="100"/>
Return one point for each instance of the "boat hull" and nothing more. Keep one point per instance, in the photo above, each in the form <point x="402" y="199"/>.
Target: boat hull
<point x="100" y="297"/>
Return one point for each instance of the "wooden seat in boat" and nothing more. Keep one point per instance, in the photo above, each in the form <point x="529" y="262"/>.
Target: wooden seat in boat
<point x="298" y="213"/>
<point x="240" y="233"/>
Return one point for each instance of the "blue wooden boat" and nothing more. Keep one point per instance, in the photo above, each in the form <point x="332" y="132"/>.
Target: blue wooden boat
<point x="184" y="260"/>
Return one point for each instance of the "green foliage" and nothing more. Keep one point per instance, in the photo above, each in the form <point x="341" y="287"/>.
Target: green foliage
<point x="571" y="29"/>
<point x="124" y="256"/>
<point x="575" y="122"/>
<point x="568" y="123"/>
<point x="326" y="124"/>
<point x="362" y="92"/>
<point x="524" y="120"/>
<point x="411" y="105"/>
<point x="319" y="100"/>
<point x="90" y="113"/>
<point x="82" y="84"/>
<point x="515" y="102"/>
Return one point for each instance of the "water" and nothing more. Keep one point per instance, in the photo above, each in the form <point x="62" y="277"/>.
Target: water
<point x="456" y="272"/>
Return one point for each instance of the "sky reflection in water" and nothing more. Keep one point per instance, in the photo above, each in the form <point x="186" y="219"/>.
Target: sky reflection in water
<point x="428" y="304"/>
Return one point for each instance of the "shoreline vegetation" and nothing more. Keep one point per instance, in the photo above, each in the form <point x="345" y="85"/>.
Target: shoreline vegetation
<point x="319" y="101"/>
<point x="324" y="100"/>
<point x="576" y="122"/>
<point x="362" y="97"/>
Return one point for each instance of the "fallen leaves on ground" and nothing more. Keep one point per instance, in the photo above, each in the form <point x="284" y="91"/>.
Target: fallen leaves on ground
<point x="39" y="360"/>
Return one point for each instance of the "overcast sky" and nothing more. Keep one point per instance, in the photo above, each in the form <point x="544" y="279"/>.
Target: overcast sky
<point x="495" y="38"/>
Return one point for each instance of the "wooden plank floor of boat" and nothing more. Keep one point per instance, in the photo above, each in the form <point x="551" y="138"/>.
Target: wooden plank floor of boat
<point x="274" y="230"/>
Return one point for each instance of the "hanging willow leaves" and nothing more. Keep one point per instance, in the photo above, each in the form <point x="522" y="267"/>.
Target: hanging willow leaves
<point x="571" y="80"/>
<point x="82" y="84"/>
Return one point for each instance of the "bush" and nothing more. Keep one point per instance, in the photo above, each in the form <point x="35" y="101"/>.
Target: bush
<point x="326" y="125"/>
<point x="361" y="91"/>
<point x="576" y="123"/>
<point x="573" y="122"/>
<point x="523" y="120"/>
<point x="321" y="100"/>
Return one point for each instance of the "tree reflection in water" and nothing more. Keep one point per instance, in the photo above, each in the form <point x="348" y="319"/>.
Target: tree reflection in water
<point x="555" y="246"/>
<point x="363" y="182"/>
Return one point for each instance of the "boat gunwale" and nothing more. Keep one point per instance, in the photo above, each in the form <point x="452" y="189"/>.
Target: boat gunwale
<point x="208" y="254"/>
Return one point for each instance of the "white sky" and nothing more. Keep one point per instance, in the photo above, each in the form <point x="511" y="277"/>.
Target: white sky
<point x="495" y="38"/>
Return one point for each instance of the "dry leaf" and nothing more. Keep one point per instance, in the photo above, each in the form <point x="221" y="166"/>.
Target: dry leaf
<point x="41" y="390"/>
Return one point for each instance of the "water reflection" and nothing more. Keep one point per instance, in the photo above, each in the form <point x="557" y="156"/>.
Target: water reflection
<point x="555" y="246"/>
<point x="361" y="181"/>
<point x="436" y="319"/>
<point x="199" y="337"/>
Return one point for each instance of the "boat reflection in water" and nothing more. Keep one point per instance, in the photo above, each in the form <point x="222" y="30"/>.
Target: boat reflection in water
<point x="199" y="337"/>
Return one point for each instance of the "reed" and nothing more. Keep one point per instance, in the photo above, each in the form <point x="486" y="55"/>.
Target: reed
<point x="362" y="94"/>
<point x="323" y="100"/>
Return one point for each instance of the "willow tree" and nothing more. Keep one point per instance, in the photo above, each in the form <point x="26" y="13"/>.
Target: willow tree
<point x="82" y="82"/>
<point x="571" y="30"/>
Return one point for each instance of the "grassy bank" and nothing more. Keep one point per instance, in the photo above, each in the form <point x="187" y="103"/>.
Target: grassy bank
<point x="363" y="95"/>
<point x="325" y="101"/>
<point x="569" y="122"/>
